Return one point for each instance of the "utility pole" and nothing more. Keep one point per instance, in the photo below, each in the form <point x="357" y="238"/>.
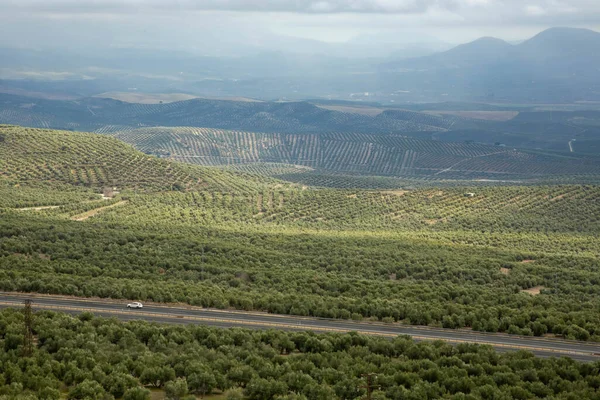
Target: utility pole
<point x="202" y="264"/>
<point x="369" y="385"/>
<point x="28" y="322"/>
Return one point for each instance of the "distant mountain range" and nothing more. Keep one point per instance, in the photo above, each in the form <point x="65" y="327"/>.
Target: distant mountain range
<point x="557" y="66"/>
<point x="553" y="45"/>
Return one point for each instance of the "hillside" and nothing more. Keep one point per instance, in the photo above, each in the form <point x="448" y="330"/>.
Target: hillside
<point x="359" y="154"/>
<point x="39" y="157"/>
<point x="555" y="43"/>
<point x="109" y="115"/>
<point x="431" y="145"/>
<point x="480" y="52"/>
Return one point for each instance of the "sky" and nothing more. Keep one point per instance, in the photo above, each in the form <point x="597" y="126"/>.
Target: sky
<point x="224" y="25"/>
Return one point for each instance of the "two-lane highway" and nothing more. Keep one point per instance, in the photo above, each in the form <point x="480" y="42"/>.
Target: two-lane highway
<point x="194" y="315"/>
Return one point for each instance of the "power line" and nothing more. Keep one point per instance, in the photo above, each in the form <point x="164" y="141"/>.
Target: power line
<point x="28" y="334"/>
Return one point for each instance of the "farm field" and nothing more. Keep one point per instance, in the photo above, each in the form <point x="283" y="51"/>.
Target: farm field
<point x="399" y="157"/>
<point x="484" y="115"/>
<point x="146" y="98"/>
<point x="518" y="259"/>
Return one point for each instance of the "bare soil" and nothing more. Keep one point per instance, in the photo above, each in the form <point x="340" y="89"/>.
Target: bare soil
<point x="534" y="291"/>
<point x="369" y="111"/>
<point x="146" y="98"/>
<point x="485" y="115"/>
<point x="37" y="208"/>
<point x="91" y="213"/>
<point x="395" y="192"/>
<point x="157" y="98"/>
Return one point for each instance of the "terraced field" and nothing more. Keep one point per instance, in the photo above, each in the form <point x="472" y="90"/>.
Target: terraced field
<point x="357" y="154"/>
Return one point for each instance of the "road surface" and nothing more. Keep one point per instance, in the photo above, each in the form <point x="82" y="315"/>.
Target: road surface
<point x="544" y="347"/>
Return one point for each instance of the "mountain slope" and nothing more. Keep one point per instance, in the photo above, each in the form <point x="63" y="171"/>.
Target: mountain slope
<point x="558" y="65"/>
<point x="482" y="51"/>
<point x="553" y="44"/>
<point x="562" y="41"/>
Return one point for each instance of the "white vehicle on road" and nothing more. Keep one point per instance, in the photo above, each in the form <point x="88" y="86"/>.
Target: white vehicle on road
<point x="135" y="305"/>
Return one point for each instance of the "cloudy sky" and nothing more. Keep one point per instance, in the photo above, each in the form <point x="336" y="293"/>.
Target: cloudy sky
<point x="202" y="24"/>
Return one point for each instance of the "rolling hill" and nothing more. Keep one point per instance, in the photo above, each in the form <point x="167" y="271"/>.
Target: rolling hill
<point x="392" y="142"/>
<point x="40" y="157"/>
<point x="108" y="115"/>
<point x="359" y="154"/>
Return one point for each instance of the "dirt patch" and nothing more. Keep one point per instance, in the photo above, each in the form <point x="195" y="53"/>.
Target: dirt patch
<point x="157" y="394"/>
<point x="36" y="208"/>
<point x="395" y="192"/>
<point x="505" y="271"/>
<point x="432" y="195"/>
<point x="534" y="291"/>
<point x="146" y="98"/>
<point x="435" y="221"/>
<point x="527" y="261"/>
<point x="91" y="213"/>
<point x="485" y="115"/>
<point x="370" y="111"/>
<point x="160" y="98"/>
<point x="392" y="277"/>
<point x="351" y="196"/>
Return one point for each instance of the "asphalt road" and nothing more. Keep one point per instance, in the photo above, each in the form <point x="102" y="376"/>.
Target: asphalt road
<point x="544" y="347"/>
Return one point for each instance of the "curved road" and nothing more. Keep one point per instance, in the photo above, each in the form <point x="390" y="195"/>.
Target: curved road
<point x="544" y="347"/>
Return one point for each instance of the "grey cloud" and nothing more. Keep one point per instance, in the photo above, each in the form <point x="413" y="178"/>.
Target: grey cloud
<point x="471" y="12"/>
<point x="291" y="6"/>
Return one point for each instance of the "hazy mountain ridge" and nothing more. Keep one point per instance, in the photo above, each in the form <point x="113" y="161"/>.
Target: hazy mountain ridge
<point x="556" y="66"/>
<point x="96" y="114"/>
